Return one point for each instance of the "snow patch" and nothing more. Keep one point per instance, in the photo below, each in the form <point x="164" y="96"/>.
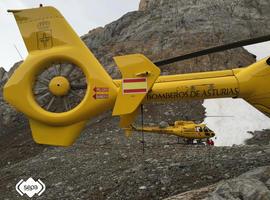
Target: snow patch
<point x="233" y="130"/>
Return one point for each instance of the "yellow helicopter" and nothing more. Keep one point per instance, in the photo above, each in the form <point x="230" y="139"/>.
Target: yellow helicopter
<point x="188" y="130"/>
<point x="60" y="66"/>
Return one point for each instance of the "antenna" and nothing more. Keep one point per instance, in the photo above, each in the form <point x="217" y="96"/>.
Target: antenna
<point x="142" y="123"/>
<point x="18" y="51"/>
<point x="219" y="116"/>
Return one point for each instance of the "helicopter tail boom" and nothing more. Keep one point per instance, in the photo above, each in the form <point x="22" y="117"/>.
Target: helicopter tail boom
<point x="203" y="85"/>
<point x="250" y="83"/>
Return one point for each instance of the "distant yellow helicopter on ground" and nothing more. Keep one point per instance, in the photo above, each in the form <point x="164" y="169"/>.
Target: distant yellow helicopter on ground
<point x="60" y="66"/>
<point x="187" y="130"/>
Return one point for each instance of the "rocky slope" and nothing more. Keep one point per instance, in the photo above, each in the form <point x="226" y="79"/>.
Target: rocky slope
<point x="103" y="164"/>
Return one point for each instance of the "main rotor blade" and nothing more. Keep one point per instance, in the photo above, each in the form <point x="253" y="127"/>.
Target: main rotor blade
<point x="219" y="116"/>
<point x="214" y="50"/>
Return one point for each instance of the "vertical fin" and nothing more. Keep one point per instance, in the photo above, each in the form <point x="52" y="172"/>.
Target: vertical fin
<point x="134" y="66"/>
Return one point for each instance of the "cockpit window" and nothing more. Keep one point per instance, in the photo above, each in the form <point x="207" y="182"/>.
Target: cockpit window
<point x="206" y="129"/>
<point x="198" y="129"/>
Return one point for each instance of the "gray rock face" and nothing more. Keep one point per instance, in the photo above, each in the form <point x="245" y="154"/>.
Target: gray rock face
<point x="168" y="28"/>
<point x="259" y="137"/>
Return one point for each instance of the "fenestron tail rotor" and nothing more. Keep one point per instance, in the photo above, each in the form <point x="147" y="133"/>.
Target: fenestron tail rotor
<point x="57" y="88"/>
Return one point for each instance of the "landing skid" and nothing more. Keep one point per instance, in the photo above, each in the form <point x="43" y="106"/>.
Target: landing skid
<point x="193" y="142"/>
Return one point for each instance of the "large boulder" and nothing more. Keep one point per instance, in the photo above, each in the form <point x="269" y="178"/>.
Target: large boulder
<point x="252" y="185"/>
